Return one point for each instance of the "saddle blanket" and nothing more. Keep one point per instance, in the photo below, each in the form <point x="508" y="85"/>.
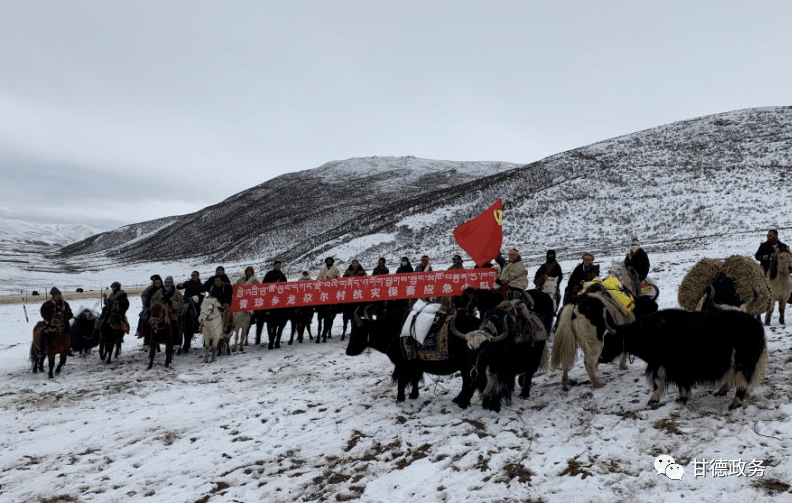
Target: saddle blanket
<point x="435" y="347"/>
<point x="419" y="321"/>
<point x="616" y="290"/>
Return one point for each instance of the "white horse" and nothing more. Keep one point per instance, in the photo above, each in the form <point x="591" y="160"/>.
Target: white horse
<point x="780" y="283"/>
<point x="240" y="333"/>
<point x="550" y="287"/>
<point x="582" y="323"/>
<point x="211" y="318"/>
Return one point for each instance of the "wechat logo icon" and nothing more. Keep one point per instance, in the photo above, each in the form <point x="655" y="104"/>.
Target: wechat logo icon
<point x="665" y="465"/>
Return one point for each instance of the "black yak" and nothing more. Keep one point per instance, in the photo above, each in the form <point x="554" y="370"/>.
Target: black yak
<point x="721" y="347"/>
<point x="383" y="334"/>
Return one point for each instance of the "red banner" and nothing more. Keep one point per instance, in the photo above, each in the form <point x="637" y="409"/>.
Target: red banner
<point x="360" y="289"/>
<point x="482" y="236"/>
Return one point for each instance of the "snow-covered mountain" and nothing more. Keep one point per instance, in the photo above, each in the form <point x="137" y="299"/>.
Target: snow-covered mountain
<point x="700" y="178"/>
<point x="13" y="231"/>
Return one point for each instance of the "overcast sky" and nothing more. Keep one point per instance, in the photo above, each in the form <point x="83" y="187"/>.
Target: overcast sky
<point x="113" y="112"/>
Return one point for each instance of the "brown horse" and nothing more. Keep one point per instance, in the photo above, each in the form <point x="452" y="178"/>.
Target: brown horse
<point x="52" y="337"/>
<point x="111" y="333"/>
<point x="161" y="332"/>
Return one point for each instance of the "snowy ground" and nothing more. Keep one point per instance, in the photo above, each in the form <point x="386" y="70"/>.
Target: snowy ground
<point x="307" y="423"/>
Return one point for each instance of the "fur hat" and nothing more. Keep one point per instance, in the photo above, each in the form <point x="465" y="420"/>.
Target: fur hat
<point x="381" y="259"/>
<point x="55" y="291"/>
<point x="115" y="284"/>
<point x="634" y="241"/>
<point x="329" y="261"/>
<point x="250" y="268"/>
<point x="456" y="257"/>
<point x="155" y="277"/>
<point x="168" y="278"/>
<point x="551" y="253"/>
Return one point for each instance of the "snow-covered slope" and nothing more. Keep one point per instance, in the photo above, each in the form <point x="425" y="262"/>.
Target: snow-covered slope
<point x="13" y="231"/>
<point x="306" y="423"/>
<point x="704" y="177"/>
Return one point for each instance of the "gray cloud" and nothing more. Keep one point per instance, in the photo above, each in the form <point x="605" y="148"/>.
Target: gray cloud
<point x="189" y="102"/>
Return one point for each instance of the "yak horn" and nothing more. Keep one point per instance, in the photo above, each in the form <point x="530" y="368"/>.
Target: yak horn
<point x="356" y="317"/>
<point x="711" y="299"/>
<point x="453" y="329"/>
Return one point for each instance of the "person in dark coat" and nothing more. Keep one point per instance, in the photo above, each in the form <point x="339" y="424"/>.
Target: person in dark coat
<point x="584" y="272"/>
<point x="148" y="293"/>
<point x="768" y="248"/>
<point x="145" y="313"/>
<point x="354" y="269"/>
<point x="456" y="263"/>
<point x="380" y="269"/>
<point x="194" y="290"/>
<point x="48" y="310"/>
<point x="219" y="273"/>
<point x="550" y="269"/>
<point x="404" y="266"/>
<point x="275" y="275"/>
<point x="56" y="305"/>
<point x="637" y="259"/>
<point x="221" y="291"/>
<point x="117" y="295"/>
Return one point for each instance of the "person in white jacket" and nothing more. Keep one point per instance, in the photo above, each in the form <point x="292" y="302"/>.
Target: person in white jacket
<point x="329" y="271"/>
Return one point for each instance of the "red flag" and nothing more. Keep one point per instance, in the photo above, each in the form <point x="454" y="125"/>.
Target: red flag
<point x="482" y="237"/>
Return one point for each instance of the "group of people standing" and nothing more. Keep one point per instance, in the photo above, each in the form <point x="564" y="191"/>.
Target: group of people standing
<point x="512" y="274"/>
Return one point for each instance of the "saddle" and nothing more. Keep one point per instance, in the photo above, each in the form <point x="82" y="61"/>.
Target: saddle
<point x="424" y="334"/>
<point x="421" y="320"/>
<point x="612" y="287"/>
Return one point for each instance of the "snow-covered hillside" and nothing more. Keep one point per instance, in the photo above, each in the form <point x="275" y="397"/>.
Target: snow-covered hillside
<point x="710" y="176"/>
<point x="14" y="231"/>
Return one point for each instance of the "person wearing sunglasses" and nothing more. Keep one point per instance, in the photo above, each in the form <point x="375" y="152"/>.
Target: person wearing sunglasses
<point x="768" y="248"/>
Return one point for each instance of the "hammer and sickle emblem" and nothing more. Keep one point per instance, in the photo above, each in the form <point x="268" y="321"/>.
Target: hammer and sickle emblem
<point x="499" y="216"/>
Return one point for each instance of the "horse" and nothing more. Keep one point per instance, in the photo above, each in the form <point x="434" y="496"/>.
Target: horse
<point x="189" y="325"/>
<point x="384" y="333"/>
<point x="54" y="337"/>
<point x="780" y="282"/>
<point x="240" y="331"/>
<point x="161" y="332"/>
<point x="582" y="323"/>
<point x="84" y="336"/>
<point x="111" y="333"/>
<point x="211" y="318"/>
<point x="326" y="313"/>
<point x="300" y="321"/>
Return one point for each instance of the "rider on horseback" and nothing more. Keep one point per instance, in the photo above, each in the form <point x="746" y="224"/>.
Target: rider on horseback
<point x="145" y="313"/>
<point x="175" y="301"/>
<point x="56" y="305"/>
<point x="514" y="275"/>
<point x="117" y="295"/>
<point x="584" y="272"/>
<point x="550" y="269"/>
<point x="637" y="259"/>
